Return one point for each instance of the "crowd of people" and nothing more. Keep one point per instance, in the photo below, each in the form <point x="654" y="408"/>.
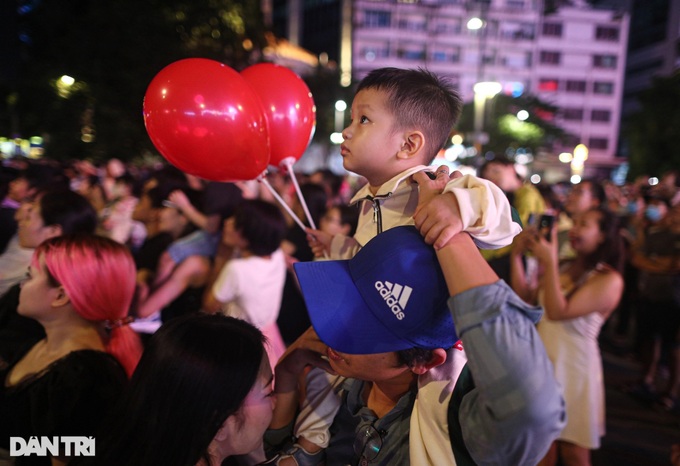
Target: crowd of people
<point x="420" y="317"/>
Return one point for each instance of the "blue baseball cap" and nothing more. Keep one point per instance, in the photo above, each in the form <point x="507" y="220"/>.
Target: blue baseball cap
<point x="390" y="297"/>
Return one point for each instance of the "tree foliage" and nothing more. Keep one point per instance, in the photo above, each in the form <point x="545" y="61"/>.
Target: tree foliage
<point x="652" y="132"/>
<point x="113" y="49"/>
<point x="506" y="132"/>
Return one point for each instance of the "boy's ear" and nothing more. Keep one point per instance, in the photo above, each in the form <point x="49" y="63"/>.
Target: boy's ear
<point x="413" y="145"/>
<point x="438" y="358"/>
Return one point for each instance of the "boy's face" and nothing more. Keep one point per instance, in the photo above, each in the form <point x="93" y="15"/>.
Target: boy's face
<point x="371" y="144"/>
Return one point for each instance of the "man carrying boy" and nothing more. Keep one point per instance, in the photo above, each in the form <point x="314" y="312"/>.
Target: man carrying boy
<point x="496" y="402"/>
<point x="400" y="121"/>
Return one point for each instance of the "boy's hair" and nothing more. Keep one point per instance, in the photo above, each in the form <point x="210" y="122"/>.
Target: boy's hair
<point x="67" y="209"/>
<point x="418" y="99"/>
<point x="262" y="224"/>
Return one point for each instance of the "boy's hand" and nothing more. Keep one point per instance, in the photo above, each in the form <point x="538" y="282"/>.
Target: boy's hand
<point x="437" y="216"/>
<point x="180" y="199"/>
<point x="319" y="242"/>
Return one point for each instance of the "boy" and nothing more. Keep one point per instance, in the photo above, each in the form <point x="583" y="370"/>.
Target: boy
<point x="400" y="121"/>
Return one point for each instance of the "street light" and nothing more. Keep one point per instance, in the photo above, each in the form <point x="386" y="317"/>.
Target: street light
<point x="578" y="162"/>
<point x="340" y="107"/>
<point x="483" y="91"/>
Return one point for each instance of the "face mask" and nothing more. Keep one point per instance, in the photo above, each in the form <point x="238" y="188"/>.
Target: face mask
<point x="632" y="207"/>
<point x="653" y="213"/>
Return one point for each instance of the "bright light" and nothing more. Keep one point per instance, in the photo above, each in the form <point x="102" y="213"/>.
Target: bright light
<point x="653" y="181"/>
<point x="456" y="139"/>
<point x="475" y="23"/>
<point x="341" y="105"/>
<point x="522" y="159"/>
<point x="535" y="178"/>
<point x="522" y="115"/>
<point x="454" y="152"/>
<point x="487" y="89"/>
<point x="67" y="80"/>
<point x="575" y="179"/>
<point x="581" y="152"/>
<point x="565" y="157"/>
<point x="336" y="138"/>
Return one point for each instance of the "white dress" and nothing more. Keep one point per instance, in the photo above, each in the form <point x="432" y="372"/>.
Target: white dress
<point x="573" y="348"/>
<point x="251" y="289"/>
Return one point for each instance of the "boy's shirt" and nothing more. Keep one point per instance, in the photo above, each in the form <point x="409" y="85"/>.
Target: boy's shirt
<point x="485" y="212"/>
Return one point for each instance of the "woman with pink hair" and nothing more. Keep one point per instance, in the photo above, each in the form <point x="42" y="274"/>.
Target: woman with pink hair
<point x="79" y="288"/>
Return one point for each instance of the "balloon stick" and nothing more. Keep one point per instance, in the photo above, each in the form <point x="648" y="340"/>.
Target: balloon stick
<point x="262" y="179"/>
<point x="288" y="164"/>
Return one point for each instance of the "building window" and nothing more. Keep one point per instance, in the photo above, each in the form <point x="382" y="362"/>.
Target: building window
<point x="598" y="143"/>
<point x="603" y="87"/>
<point x="550" y="58"/>
<point x="372" y="52"/>
<point x="547" y="85"/>
<point x="572" y="114"/>
<point x="446" y="55"/>
<point x="604" y="61"/>
<point x="515" y="4"/>
<point x="414" y="25"/>
<point x="575" y="86"/>
<point x="608" y="33"/>
<point x="601" y="115"/>
<point x="411" y="52"/>
<point x="377" y="19"/>
<point x="552" y="29"/>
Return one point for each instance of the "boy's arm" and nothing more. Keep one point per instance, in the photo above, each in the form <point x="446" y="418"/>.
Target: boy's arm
<point x="484" y="210"/>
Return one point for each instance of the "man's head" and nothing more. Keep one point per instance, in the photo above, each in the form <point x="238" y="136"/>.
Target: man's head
<point x="584" y="196"/>
<point x="53" y="213"/>
<point x="501" y="172"/>
<point x="389" y="301"/>
<point x="412" y="113"/>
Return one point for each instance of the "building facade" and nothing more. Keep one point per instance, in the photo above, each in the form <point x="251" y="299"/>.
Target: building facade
<point x="573" y="57"/>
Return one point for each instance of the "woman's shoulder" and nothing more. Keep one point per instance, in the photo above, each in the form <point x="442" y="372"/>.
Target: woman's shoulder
<point x="89" y="366"/>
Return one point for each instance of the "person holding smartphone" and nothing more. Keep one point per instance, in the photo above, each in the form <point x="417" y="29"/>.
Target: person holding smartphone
<point x="578" y="295"/>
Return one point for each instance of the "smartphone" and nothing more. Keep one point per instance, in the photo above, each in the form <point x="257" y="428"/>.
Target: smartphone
<point x="171" y="204"/>
<point x="545" y="225"/>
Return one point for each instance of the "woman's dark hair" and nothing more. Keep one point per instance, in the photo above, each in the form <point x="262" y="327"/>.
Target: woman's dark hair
<point x="610" y="251"/>
<point x="195" y="372"/>
<point x="262" y="224"/>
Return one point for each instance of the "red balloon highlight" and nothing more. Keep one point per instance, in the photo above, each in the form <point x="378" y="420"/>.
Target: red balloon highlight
<point x="288" y="106"/>
<point x="206" y="120"/>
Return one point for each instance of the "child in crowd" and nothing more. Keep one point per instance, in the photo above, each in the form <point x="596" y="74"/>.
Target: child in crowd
<point x="400" y="121"/>
<point x="249" y="271"/>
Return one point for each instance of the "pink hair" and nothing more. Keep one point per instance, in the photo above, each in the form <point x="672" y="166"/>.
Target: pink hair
<point x="98" y="275"/>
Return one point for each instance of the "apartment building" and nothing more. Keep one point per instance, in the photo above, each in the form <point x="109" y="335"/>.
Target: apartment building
<point x="573" y="57"/>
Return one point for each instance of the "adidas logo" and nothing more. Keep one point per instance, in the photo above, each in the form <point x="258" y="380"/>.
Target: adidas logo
<point x="396" y="296"/>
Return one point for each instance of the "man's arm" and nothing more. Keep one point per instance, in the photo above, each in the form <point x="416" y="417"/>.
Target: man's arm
<point x="516" y="409"/>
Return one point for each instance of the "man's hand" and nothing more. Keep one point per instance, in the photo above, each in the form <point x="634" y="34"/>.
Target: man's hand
<point x="437" y="216"/>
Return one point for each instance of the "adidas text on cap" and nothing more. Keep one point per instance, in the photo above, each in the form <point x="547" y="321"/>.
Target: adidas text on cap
<point x="391" y="296"/>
